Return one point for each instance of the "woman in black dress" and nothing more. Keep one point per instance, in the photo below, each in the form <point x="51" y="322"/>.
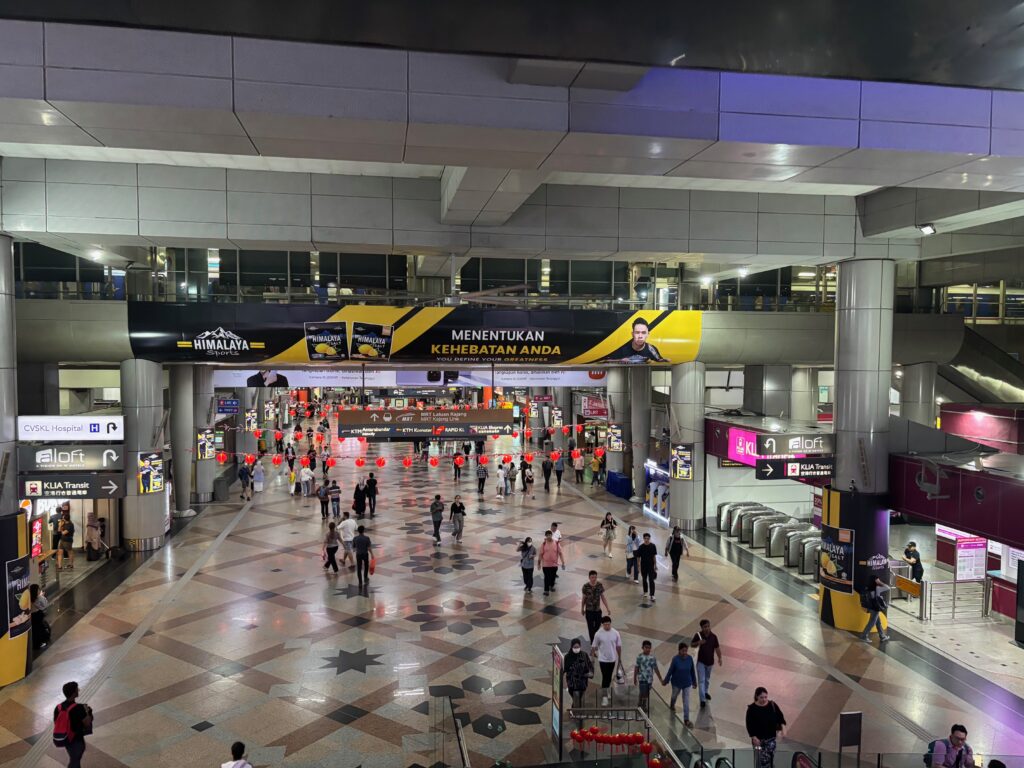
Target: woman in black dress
<point x="578" y="671"/>
<point x="674" y="548"/>
<point x="359" y="499"/>
<point x="765" y="723"/>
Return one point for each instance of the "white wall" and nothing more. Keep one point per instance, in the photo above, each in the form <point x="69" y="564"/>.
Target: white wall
<point x="739" y="484"/>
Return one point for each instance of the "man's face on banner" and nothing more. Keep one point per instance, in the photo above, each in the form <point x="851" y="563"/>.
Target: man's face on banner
<point x="640" y="332"/>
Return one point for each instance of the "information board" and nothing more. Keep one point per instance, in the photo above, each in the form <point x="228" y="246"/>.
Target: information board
<point x="971" y="558"/>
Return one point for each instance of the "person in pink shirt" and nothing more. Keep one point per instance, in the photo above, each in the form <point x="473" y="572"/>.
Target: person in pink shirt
<point x="550" y="556"/>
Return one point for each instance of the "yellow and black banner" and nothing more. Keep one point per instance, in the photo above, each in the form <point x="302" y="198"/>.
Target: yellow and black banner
<point x="355" y="334"/>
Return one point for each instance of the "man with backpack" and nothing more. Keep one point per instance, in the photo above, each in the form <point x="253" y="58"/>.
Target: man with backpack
<point x="71" y="722"/>
<point x="245" y="478"/>
<point x="953" y="752"/>
<point x="873" y="601"/>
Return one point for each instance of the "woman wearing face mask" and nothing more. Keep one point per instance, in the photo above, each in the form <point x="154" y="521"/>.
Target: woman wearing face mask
<point x="578" y="671"/>
<point x="527" y="561"/>
<point x="632" y="566"/>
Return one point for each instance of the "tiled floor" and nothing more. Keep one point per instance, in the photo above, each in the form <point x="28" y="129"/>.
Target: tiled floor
<point x="234" y="632"/>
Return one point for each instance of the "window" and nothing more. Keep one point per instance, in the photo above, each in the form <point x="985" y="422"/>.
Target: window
<point x="502" y="273"/>
<point x="592" y="278"/>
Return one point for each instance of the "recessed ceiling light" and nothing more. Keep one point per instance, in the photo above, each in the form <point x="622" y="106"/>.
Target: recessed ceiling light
<point x="927" y="229"/>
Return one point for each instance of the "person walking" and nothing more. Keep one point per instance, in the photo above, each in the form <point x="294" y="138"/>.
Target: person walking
<point x="501" y="481"/>
<point x="873" y="600"/>
<point x="591" y="604"/>
<point x="364" y="551"/>
<point x="606" y="647"/>
<point x="40" y="626"/>
<point x="647" y="554"/>
<point x="332" y="540"/>
<point x="359" y="500"/>
<point x="325" y="465"/>
<point x="578" y="671"/>
<point x="675" y="548"/>
<point x="66" y="543"/>
<point x="347" y="532"/>
<point x="683" y="677"/>
<point x="913" y="557"/>
<point x="708" y="649"/>
<point x="238" y="757"/>
<point x="481" y="477"/>
<point x="527" y="562"/>
<point x="72" y="722"/>
<point x="334" y="494"/>
<point x="245" y="478"/>
<point x="289" y="456"/>
<point x="550" y="557"/>
<point x="608" y="526"/>
<point x="527" y="473"/>
<point x="577" y="466"/>
<point x="511" y="473"/>
<point x="632" y="542"/>
<point x="436" y="517"/>
<point x="595" y="470"/>
<point x="457" y="518"/>
<point x="306" y="479"/>
<point x="371" y="494"/>
<point x="323" y="495"/>
<point x="765" y="724"/>
<point x="559" y="469"/>
<point x="645" y="671"/>
<point x="259" y="476"/>
<point x="545" y="467"/>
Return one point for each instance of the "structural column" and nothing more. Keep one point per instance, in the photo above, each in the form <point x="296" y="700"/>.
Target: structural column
<point x="766" y="389"/>
<point x="183" y="439"/>
<point x="686" y="426"/>
<point x="620" y="415"/>
<point x="536" y="423"/>
<point x="917" y="398"/>
<point x="204" y="411"/>
<point x="640" y="390"/>
<point x="855" y="515"/>
<point x="39" y="389"/>
<point x="142" y="401"/>
<point x="245" y="440"/>
<point x="8" y="382"/>
<point x="803" y="395"/>
<point x="563" y="400"/>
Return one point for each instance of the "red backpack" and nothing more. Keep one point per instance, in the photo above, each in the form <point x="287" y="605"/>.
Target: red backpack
<point x="62" y="733"/>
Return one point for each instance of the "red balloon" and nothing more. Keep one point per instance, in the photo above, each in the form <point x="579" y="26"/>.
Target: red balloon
<point x="482" y="459"/>
<point x="257" y="433"/>
<point x="433" y="461"/>
<point x="599" y="452"/>
<point x="360" y="461"/>
<point x="276" y="461"/>
<point x="555" y="455"/>
<point x="528" y="433"/>
<point x="406" y="462"/>
<point x="506" y="459"/>
<point x="221" y="457"/>
<point x="279" y="435"/>
<point x="331" y="461"/>
<point x="515" y="433"/>
<point x="459" y="461"/>
<point x="304" y="461"/>
<point x="381" y="461"/>
<point x="579" y="427"/>
<point x="528" y="457"/>
<point x="575" y="453"/>
<point x="565" y="430"/>
<point x="250" y="458"/>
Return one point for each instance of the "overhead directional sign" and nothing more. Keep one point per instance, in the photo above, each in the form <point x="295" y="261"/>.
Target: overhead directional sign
<point x="795" y="469"/>
<point x="92" y="429"/>
<point x="102" y="485"/>
<point x="811" y="442"/>
<point x="74" y="458"/>
<point x="416" y="423"/>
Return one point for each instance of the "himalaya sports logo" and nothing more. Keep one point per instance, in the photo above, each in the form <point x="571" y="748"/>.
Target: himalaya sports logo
<point x="221" y="343"/>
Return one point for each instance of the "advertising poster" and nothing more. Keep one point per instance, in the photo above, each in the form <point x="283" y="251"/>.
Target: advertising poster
<point x="971" y="558"/>
<point x="276" y="335"/>
<point x="836" y="559"/>
<point x="326" y="341"/>
<point x="151" y="473"/>
<point x="682" y="462"/>
<point x="18" y="580"/>
<point x="205" y="440"/>
<point x="371" y="341"/>
<point x="534" y="410"/>
<point x="251" y="422"/>
<point x="556" y="417"/>
<point x="615" y="438"/>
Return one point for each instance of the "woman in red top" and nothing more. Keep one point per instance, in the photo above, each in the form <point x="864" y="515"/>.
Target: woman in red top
<point x="550" y="557"/>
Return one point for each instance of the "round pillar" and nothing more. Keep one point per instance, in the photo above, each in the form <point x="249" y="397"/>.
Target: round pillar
<point x="640" y="396"/>
<point x="143" y="515"/>
<point x="563" y="400"/>
<point x="245" y="440"/>
<point x="8" y="378"/>
<point x="686" y="419"/>
<point x="619" y="414"/>
<point x="917" y="396"/>
<point x="803" y="395"/>
<point x="204" y="409"/>
<point x="182" y="438"/>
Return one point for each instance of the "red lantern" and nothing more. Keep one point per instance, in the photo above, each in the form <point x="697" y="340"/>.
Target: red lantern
<point x="308" y="414"/>
<point x="599" y="452"/>
<point x="594" y="730"/>
<point x="528" y="457"/>
<point x="579" y="428"/>
<point x="646" y="748"/>
<point x="279" y="435"/>
<point x="495" y="437"/>
<point x="276" y="461"/>
<point x="406" y="462"/>
<point x="381" y="461"/>
<point x="221" y="457"/>
<point x="304" y="461"/>
<point x="341" y="439"/>
<point x="257" y="433"/>
<point x="459" y="461"/>
<point x="361" y="439"/>
<point x="565" y="430"/>
<point x="323" y="413"/>
<point x="528" y="433"/>
<point x="360" y="461"/>
<point x="575" y="453"/>
<point x="250" y="458"/>
<point x="291" y="412"/>
<point x="654" y="762"/>
<point x="482" y="459"/>
<point x="506" y="459"/>
<point x="555" y="455"/>
<point x="575" y="736"/>
<point x="469" y="407"/>
<point x="515" y="434"/>
<point x="331" y="461"/>
<point x="433" y="461"/>
<point x="638" y="739"/>
<point x="319" y="437"/>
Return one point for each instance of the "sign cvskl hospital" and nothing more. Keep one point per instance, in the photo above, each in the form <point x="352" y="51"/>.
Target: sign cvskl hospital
<point x="275" y="335"/>
<point x="93" y="429"/>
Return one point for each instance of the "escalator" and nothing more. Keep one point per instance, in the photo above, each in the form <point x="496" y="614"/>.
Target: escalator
<point x="983" y="372"/>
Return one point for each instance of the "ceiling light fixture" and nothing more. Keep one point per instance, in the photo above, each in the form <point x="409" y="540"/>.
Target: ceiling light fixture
<point x="705" y="281"/>
<point x="805" y="274"/>
<point x="744" y="272"/>
<point x="95" y="253"/>
<point x="926" y="229"/>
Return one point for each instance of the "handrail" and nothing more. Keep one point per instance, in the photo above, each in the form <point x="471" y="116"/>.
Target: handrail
<point x="460" y="738"/>
<point x="637" y="714"/>
<point x="931" y="592"/>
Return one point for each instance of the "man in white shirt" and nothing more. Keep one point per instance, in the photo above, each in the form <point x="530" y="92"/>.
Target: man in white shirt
<point x="306" y="478"/>
<point x="607" y="649"/>
<point x="347" y="531"/>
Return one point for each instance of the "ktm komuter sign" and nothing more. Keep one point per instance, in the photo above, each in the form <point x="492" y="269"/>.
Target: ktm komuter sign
<point x="409" y="422"/>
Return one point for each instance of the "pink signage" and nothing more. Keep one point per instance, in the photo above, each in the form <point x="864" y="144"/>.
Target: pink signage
<point x="743" y="448"/>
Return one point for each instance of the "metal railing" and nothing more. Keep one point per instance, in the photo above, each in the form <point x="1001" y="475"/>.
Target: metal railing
<point x="448" y="741"/>
<point x="944" y="597"/>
